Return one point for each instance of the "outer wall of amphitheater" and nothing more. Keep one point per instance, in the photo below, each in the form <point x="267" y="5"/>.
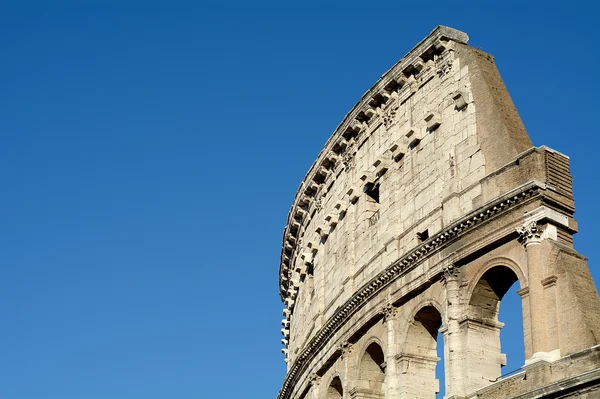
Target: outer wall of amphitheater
<point x="426" y="205"/>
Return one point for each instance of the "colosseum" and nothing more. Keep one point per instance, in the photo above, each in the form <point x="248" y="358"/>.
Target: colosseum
<point x="427" y="203"/>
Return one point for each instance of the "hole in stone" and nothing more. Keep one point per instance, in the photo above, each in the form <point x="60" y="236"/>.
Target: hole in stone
<point x="310" y="269"/>
<point x="372" y="190"/>
<point x="381" y="172"/>
<point x="377" y="101"/>
<point x="413" y="144"/>
<point x="319" y="179"/>
<point x="350" y="133"/>
<point x="423" y="236"/>
<point x="392" y="86"/>
<point x="433" y="127"/>
<point x="362" y="117"/>
<point x="428" y="54"/>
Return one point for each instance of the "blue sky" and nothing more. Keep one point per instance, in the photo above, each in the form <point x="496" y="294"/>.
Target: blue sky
<point x="151" y="151"/>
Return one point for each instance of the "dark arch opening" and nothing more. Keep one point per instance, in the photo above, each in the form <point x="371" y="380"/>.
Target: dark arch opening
<point x="335" y="390"/>
<point x="484" y="328"/>
<point x="372" y="371"/>
<point x="424" y="330"/>
<point x="490" y="290"/>
<point x="420" y="357"/>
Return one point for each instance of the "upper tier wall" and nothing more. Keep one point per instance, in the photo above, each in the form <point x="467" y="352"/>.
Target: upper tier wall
<point x="406" y="162"/>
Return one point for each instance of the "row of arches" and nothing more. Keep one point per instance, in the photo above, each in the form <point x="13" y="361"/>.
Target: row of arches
<point x="422" y="360"/>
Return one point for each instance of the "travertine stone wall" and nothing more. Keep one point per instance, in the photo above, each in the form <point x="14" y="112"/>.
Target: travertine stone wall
<point x="426" y="204"/>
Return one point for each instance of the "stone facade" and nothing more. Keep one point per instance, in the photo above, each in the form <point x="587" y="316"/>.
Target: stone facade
<point x="426" y="205"/>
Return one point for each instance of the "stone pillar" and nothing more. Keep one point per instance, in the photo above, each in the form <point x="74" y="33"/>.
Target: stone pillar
<point x="524" y="294"/>
<point x="530" y="235"/>
<point x="453" y="353"/>
<point x="549" y="284"/>
<point x="531" y="238"/>
<point x="417" y="376"/>
<point x="480" y="344"/>
<point x="347" y="365"/>
<point x="392" y="380"/>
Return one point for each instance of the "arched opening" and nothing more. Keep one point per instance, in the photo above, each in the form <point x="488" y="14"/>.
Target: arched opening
<point x="489" y="291"/>
<point x="335" y="391"/>
<point x="482" y="326"/>
<point x="419" y="358"/>
<point x="372" y="372"/>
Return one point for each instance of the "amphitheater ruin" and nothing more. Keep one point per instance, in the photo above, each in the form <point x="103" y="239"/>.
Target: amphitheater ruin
<point x="425" y="206"/>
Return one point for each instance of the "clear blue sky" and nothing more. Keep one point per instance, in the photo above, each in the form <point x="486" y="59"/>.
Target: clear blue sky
<point x="150" y="152"/>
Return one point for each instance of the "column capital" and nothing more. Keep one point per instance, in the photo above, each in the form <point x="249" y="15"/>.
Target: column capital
<point x="389" y="312"/>
<point x="530" y="233"/>
<point x="346" y="348"/>
<point x="449" y="273"/>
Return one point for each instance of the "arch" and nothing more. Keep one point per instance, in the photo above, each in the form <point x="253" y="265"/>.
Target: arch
<point x="335" y="389"/>
<point x="489" y="290"/>
<point x="481" y="326"/>
<point x="419" y="356"/>
<point x="427" y="302"/>
<point x="374" y="339"/>
<point x="371" y="372"/>
<point x="498" y="261"/>
<point x="422" y="331"/>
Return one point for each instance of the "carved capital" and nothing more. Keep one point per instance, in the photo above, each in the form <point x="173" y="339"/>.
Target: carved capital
<point x="450" y="273"/>
<point x="346" y="348"/>
<point x="389" y="313"/>
<point x="529" y="234"/>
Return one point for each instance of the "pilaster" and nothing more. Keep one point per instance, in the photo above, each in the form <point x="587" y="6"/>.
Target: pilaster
<point x="392" y="380"/>
<point x="347" y="367"/>
<point x="543" y="346"/>
<point x="549" y="284"/>
<point x="453" y="354"/>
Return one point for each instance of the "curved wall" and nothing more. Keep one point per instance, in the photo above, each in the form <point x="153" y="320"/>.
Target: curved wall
<point x="431" y="169"/>
<point x="414" y="137"/>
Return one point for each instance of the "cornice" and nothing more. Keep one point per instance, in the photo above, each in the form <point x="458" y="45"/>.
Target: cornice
<point x="398" y="268"/>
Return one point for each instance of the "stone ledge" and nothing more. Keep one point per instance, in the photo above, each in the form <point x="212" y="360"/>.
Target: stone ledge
<point x="557" y="388"/>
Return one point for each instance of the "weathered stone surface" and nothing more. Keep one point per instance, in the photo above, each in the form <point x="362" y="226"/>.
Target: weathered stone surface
<point x="427" y="203"/>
